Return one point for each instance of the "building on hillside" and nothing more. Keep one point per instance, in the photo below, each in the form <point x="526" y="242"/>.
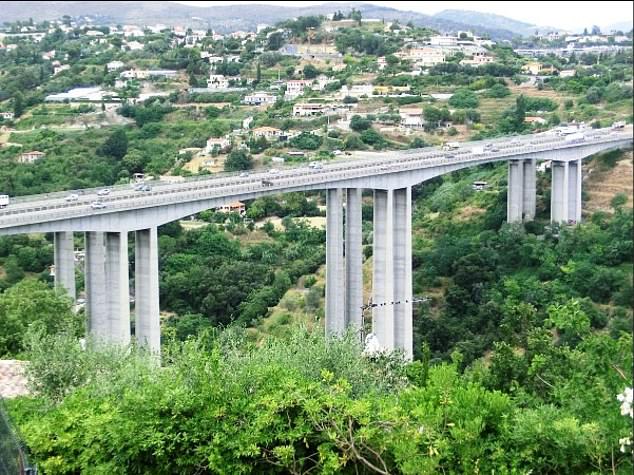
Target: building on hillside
<point x="411" y="117"/>
<point x="535" y="120"/>
<point x="219" y="143"/>
<point x="388" y="90"/>
<point x="115" y="65"/>
<point x="308" y="109"/>
<point x="132" y="46"/>
<point x="536" y="68"/>
<point x="425" y="57"/>
<point x="443" y="40"/>
<point x="30" y="157"/>
<point x="356" y="90"/>
<point x="267" y="132"/>
<point x="259" y="98"/>
<point x="296" y="87"/>
<point x="235" y="207"/>
<point x="7" y="115"/>
<point x="478" y="59"/>
<point x="567" y="73"/>
<point x="217" y="81"/>
<point x="60" y="68"/>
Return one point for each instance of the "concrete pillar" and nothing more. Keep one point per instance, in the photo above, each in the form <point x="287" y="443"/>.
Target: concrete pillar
<point x="354" y="259"/>
<point x="383" y="269"/>
<point x="529" y="189"/>
<point x="402" y="242"/>
<point x="335" y="293"/>
<point x="65" y="262"/>
<point x="559" y="192"/>
<point x="574" y="191"/>
<point x="515" y="196"/>
<point x="95" y="280"/>
<point x="118" y="287"/>
<point x="146" y="281"/>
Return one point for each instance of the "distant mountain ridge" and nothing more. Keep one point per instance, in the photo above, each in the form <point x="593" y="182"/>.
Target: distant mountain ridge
<point x="245" y="17"/>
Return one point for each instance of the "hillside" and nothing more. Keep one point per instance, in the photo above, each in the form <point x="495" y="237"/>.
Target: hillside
<point x="236" y="17"/>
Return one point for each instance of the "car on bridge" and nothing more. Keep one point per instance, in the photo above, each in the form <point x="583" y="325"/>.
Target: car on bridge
<point x="104" y="192"/>
<point x="244" y="174"/>
<point x="4" y="201"/>
<point x="98" y="205"/>
<point x="72" y="197"/>
<point x="267" y="183"/>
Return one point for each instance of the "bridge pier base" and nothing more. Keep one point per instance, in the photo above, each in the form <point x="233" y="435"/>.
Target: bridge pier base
<point x="146" y="282"/>
<point x="530" y="189"/>
<point x="64" y="260"/>
<point x="335" y="313"/>
<point x="354" y="260"/>
<point x="95" y="281"/>
<point x="574" y="191"/>
<point x="559" y="192"/>
<point x="118" y="286"/>
<point x="515" y="193"/>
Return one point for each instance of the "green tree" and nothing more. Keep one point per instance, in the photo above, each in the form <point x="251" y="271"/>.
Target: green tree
<point x="31" y="303"/>
<point x="238" y="160"/>
<point x="464" y="99"/>
<point x="116" y="145"/>
<point x="310" y="71"/>
<point x="18" y="104"/>
<point x="359" y="124"/>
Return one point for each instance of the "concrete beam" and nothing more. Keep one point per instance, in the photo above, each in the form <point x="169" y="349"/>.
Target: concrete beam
<point x="354" y="259"/>
<point x="402" y="242"/>
<point x="335" y="294"/>
<point x="383" y="270"/>
<point x="64" y="260"/>
<point x="146" y="281"/>
<point x="574" y="191"/>
<point x="559" y="192"/>
<point x="118" y="286"/>
<point x="515" y="193"/>
<point x="529" y="189"/>
<point x="94" y="276"/>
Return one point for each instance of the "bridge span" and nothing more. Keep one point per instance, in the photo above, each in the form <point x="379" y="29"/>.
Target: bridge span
<point x="389" y="174"/>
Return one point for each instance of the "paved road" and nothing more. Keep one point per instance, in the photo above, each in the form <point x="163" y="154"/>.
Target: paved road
<point x="360" y="164"/>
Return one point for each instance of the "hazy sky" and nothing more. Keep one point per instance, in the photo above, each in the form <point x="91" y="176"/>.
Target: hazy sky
<point x="568" y="15"/>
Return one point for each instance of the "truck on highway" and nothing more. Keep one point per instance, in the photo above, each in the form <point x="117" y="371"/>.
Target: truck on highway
<point x="4" y="201"/>
<point x="618" y="124"/>
<point x="576" y="137"/>
<point x="477" y="150"/>
<point x="451" y="146"/>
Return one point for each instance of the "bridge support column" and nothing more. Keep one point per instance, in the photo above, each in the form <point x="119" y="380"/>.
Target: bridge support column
<point x="354" y="260"/>
<point x="65" y="262"/>
<point x="118" y="286"/>
<point x="95" y="280"/>
<point x="574" y="191"/>
<point x="559" y="192"/>
<point x="530" y="189"/>
<point x="515" y="193"/>
<point x="146" y="282"/>
<point x="383" y="269"/>
<point x="402" y="242"/>
<point x="335" y="294"/>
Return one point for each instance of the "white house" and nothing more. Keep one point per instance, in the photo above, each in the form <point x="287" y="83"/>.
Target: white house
<point x="7" y="115"/>
<point x="30" y="157"/>
<point x="217" y="81"/>
<point x="411" y="117"/>
<point x="60" y="68"/>
<point x="425" y="57"/>
<point x="114" y="65"/>
<point x="267" y="132"/>
<point x="567" y="73"/>
<point x="443" y="41"/>
<point x="308" y="109"/>
<point x="219" y="143"/>
<point x="357" y="90"/>
<point x="259" y="98"/>
<point x="295" y="88"/>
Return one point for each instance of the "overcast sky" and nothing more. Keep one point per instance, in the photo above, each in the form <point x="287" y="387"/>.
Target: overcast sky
<point x="568" y="15"/>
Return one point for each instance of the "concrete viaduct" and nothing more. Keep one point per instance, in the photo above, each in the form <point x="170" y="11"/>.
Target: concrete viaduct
<point x="390" y="175"/>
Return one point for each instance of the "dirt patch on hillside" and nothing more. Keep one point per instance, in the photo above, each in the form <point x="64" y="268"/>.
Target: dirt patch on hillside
<point x="602" y="186"/>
